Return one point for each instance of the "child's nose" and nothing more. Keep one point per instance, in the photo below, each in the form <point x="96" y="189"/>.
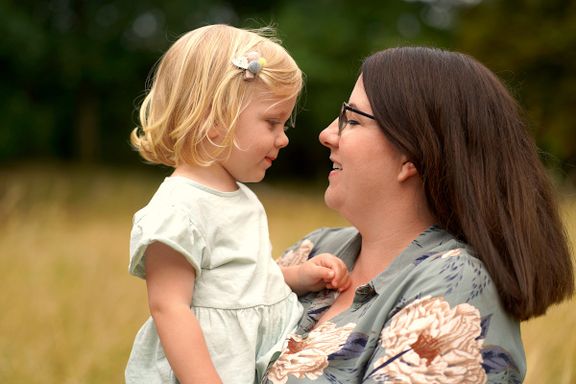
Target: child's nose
<point x="282" y="140"/>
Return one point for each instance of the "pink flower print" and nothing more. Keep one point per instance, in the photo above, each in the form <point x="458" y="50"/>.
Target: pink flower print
<point x="452" y="252"/>
<point x="429" y="342"/>
<point x="308" y="357"/>
<point x="297" y="256"/>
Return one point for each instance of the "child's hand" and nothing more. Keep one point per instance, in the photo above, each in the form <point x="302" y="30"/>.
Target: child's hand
<point x="323" y="271"/>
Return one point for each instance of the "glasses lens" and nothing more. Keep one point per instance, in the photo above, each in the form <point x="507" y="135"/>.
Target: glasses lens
<point x="342" y="120"/>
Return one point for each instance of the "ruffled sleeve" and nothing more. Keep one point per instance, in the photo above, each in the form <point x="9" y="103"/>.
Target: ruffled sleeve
<point x="171" y="226"/>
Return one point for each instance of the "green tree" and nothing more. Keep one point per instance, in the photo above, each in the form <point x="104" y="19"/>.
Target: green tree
<point x="532" y="46"/>
<point x="73" y="71"/>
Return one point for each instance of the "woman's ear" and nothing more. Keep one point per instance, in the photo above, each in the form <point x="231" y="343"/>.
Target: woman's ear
<point x="407" y="170"/>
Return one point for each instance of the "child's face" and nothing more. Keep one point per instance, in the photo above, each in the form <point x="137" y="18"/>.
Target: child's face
<point x="259" y="136"/>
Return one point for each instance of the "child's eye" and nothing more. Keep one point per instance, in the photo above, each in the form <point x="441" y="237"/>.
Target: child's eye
<point x="276" y="123"/>
<point x="273" y="123"/>
<point x="288" y="126"/>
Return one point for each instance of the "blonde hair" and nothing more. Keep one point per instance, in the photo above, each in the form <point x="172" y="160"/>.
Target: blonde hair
<point x="195" y="88"/>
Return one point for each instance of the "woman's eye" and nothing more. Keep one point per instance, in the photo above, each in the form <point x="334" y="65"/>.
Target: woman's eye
<point x="353" y="122"/>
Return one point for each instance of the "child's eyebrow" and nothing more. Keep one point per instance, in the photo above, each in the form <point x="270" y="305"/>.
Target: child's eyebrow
<point x="280" y="114"/>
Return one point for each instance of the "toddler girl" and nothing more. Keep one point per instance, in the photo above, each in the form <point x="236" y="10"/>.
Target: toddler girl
<point x="220" y="307"/>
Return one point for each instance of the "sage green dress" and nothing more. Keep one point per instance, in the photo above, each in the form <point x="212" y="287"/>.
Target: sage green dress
<point x="243" y="305"/>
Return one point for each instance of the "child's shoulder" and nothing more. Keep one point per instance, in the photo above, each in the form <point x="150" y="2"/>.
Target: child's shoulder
<point x="171" y="200"/>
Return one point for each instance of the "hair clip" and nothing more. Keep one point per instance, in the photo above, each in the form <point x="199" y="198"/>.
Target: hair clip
<point x="251" y="63"/>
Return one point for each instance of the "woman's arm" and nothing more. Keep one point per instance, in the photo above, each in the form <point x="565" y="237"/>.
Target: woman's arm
<point x="170" y="283"/>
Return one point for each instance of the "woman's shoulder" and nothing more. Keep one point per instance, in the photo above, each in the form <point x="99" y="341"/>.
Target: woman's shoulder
<point x="436" y="249"/>
<point x="456" y="254"/>
<point x="335" y="240"/>
<point x="438" y="265"/>
<point x="331" y="237"/>
<point x="452" y="267"/>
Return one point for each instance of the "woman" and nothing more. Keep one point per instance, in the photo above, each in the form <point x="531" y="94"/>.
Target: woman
<point x="456" y="236"/>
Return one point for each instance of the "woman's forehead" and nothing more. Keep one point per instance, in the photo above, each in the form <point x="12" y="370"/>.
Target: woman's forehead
<point x="359" y="98"/>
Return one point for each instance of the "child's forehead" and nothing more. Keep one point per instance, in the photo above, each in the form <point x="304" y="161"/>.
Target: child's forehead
<point x="272" y="91"/>
<point x="266" y="100"/>
<point x="277" y="105"/>
<point x="264" y="93"/>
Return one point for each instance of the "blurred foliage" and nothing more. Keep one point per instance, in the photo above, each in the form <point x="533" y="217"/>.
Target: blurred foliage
<point x="532" y="46"/>
<point x="74" y="71"/>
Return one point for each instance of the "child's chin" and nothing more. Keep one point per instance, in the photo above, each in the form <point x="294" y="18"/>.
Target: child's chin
<point x="255" y="179"/>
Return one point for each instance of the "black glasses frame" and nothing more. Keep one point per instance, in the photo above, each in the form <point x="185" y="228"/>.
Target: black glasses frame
<point x="343" y="119"/>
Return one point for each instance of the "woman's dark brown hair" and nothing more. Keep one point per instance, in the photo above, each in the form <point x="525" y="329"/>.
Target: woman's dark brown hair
<point x="481" y="172"/>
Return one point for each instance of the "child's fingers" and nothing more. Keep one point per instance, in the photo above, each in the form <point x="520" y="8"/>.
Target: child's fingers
<point x="335" y="274"/>
<point x="346" y="283"/>
<point x="343" y="277"/>
<point x="324" y="274"/>
<point x="340" y="270"/>
<point x="341" y="282"/>
<point x="334" y="263"/>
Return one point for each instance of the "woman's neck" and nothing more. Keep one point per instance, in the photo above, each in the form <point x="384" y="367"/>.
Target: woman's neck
<point x="379" y="248"/>
<point x="387" y="229"/>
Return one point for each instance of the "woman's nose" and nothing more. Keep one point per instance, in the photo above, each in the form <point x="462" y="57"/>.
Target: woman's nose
<point x="329" y="135"/>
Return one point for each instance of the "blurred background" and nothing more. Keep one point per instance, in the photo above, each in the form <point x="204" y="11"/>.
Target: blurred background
<point x="73" y="71"/>
<point x="72" y="75"/>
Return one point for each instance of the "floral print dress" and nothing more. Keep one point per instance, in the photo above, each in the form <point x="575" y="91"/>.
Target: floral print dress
<point x="433" y="316"/>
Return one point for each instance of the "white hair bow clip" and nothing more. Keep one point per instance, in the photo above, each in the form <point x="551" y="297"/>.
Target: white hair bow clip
<point x="251" y="63"/>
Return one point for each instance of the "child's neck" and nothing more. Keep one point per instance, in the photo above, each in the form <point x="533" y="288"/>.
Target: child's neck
<point x="213" y="176"/>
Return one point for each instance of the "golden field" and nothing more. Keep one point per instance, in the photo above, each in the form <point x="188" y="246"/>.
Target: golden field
<point x="70" y="310"/>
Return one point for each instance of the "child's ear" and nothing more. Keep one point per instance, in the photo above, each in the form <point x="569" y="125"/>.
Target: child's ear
<point x="214" y="133"/>
<point x="407" y="170"/>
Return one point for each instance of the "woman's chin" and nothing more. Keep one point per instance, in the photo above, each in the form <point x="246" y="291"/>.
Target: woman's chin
<point x="330" y="199"/>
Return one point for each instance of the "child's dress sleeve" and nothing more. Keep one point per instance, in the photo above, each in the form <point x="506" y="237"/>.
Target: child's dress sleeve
<point x="171" y="226"/>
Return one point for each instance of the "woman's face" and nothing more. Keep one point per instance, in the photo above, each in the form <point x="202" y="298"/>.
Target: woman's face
<point x="366" y="166"/>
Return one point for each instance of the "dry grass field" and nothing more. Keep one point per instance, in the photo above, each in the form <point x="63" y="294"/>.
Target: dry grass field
<point x="69" y="309"/>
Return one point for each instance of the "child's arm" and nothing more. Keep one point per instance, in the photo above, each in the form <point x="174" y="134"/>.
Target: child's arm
<point x="170" y="283"/>
<point x="319" y="272"/>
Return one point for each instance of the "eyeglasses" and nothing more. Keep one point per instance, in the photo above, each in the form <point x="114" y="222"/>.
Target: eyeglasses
<point x="343" y="119"/>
